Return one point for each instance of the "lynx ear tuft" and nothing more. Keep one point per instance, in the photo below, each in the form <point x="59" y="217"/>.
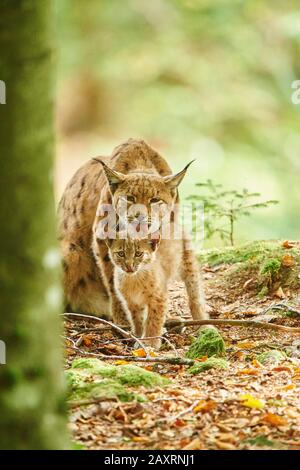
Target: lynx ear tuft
<point x="114" y="178"/>
<point x="174" y="180"/>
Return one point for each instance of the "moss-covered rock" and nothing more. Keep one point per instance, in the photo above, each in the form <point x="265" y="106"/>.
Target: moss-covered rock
<point x="210" y="363"/>
<point x="209" y="343"/>
<point x="100" y="389"/>
<point x="94" y="379"/>
<point x="271" y="357"/>
<point x="262" y="261"/>
<point x="125" y="374"/>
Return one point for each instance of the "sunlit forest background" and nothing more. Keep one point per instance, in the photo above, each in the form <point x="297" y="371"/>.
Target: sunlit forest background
<point x="203" y="79"/>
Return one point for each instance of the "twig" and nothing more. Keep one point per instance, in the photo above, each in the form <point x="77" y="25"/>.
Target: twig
<point x="244" y="323"/>
<point x="174" y="323"/>
<point x="282" y="306"/>
<point x="127" y="334"/>
<point x="184" y="412"/>
<point x="158" y="359"/>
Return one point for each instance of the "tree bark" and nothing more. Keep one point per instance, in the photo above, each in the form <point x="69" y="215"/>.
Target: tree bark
<point x="32" y="400"/>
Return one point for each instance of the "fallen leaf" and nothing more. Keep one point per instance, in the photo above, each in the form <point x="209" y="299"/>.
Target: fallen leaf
<point x="287" y="261"/>
<point x="227" y="437"/>
<point x="203" y="406"/>
<point x="279" y="293"/>
<point x="140" y="439"/>
<point x="179" y="423"/>
<point x="87" y="340"/>
<point x="286" y="388"/>
<point x="250" y="313"/>
<point x="247" y="283"/>
<point x="246" y="344"/>
<point x="282" y="369"/>
<point x="247" y="372"/>
<point x="274" y="420"/>
<point x="256" y="364"/>
<point x="224" y="445"/>
<point x="251" y="402"/>
<point x="139" y="352"/>
<point x="287" y="244"/>
<point x="121" y="362"/>
<point x="195" y="444"/>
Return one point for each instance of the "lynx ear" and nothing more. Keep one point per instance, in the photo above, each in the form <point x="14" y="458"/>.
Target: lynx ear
<point x="114" y="178"/>
<point x="174" y="180"/>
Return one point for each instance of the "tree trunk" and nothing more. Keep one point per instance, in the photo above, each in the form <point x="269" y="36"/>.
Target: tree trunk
<point x="31" y="386"/>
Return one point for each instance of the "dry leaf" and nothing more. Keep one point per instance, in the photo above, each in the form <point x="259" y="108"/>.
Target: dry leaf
<point x="286" y="388"/>
<point x="247" y="283"/>
<point x="227" y="437"/>
<point x="274" y="420"/>
<point x="287" y="261"/>
<point x="251" y="402"/>
<point x="195" y="444"/>
<point x="246" y="344"/>
<point x="203" y="406"/>
<point x="121" y="362"/>
<point x="287" y="244"/>
<point x="139" y="352"/>
<point x="257" y="364"/>
<point x="179" y="423"/>
<point x="282" y="369"/>
<point x="250" y="313"/>
<point x="87" y="340"/>
<point x="140" y="439"/>
<point x="279" y="293"/>
<point x="224" y="445"/>
<point x="247" y="372"/>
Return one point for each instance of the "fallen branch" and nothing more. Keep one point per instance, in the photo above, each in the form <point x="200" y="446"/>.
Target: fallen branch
<point x="158" y="359"/>
<point x="244" y="323"/>
<point x="127" y="334"/>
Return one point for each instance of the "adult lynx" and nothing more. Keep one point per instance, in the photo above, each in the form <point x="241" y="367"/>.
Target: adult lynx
<point x="138" y="173"/>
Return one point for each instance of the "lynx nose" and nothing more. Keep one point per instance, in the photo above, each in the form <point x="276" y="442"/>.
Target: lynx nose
<point x="129" y="268"/>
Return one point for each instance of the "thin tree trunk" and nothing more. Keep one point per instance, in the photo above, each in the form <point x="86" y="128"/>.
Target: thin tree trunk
<point x="31" y="386"/>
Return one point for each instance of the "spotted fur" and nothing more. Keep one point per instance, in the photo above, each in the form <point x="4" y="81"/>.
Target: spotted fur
<point x="134" y="169"/>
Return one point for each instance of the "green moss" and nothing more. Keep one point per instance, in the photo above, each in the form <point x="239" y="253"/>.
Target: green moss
<point x="271" y="267"/>
<point x="210" y="363"/>
<point x="209" y="343"/>
<point x="259" y="261"/>
<point x="125" y="374"/>
<point x="105" y="389"/>
<point x="271" y="357"/>
<point x="93" y="379"/>
<point x="136" y="376"/>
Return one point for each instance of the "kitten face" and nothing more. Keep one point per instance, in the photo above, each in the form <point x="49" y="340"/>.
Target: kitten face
<point x="131" y="255"/>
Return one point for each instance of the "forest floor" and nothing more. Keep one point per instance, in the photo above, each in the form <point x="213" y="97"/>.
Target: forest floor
<point x="253" y="404"/>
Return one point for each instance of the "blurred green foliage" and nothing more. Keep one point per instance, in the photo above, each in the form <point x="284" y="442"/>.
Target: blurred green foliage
<point x="224" y="208"/>
<point x="201" y="79"/>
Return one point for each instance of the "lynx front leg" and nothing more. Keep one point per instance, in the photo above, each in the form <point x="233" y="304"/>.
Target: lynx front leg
<point x="157" y="312"/>
<point x="118" y="310"/>
<point x="190" y="274"/>
<point x="137" y="314"/>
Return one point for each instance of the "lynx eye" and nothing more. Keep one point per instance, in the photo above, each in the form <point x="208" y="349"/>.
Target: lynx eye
<point x="130" y="198"/>
<point x="138" y="254"/>
<point x="121" y="254"/>
<point x="155" y="200"/>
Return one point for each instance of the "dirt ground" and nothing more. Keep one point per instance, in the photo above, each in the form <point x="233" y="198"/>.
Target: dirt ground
<point x="248" y="406"/>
